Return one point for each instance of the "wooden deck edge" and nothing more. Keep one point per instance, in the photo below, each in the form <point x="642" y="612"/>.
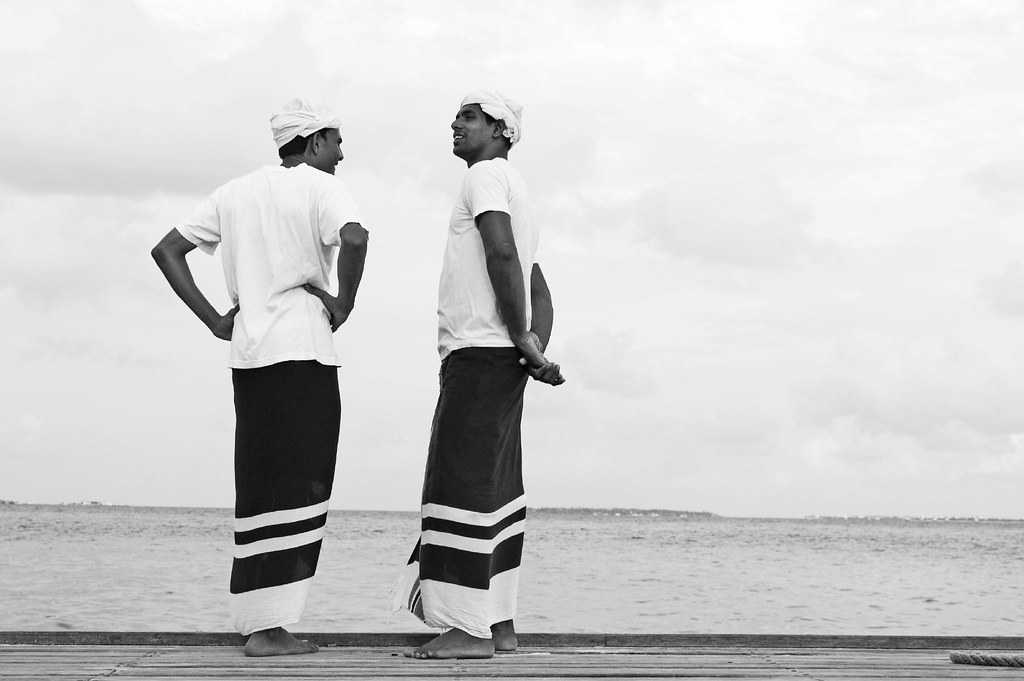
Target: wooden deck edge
<point x="378" y="640"/>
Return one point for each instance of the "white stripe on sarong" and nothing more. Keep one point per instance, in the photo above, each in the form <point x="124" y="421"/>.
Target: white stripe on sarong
<point x="473" y="517"/>
<point x="472" y="610"/>
<point x="474" y="545"/>
<point x="274" y="606"/>
<point x="278" y="543"/>
<point x="290" y="515"/>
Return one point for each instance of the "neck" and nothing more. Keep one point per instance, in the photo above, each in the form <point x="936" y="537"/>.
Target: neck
<point x="489" y="154"/>
<point x="292" y="161"/>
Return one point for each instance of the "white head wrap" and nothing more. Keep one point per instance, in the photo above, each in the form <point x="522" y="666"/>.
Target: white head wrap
<point x="496" y="105"/>
<point x="299" y="118"/>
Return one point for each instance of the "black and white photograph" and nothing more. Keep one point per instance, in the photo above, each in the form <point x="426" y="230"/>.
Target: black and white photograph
<point x="581" y="339"/>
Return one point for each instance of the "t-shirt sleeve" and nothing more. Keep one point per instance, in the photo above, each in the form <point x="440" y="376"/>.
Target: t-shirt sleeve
<point x="337" y="208"/>
<point x="203" y="227"/>
<point x="487" y="188"/>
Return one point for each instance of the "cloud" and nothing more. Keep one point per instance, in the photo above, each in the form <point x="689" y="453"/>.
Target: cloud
<point x="764" y="228"/>
<point x="932" y="408"/>
<point x="711" y="219"/>
<point x="1005" y="291"/>
<point x="1000" y="180"/>
<point x="615" y="365"/>
<point x="119" y="104"/>
<point x="80" y="250"/>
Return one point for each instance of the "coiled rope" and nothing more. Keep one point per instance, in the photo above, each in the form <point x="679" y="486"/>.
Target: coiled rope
<point x="989" y="659"/>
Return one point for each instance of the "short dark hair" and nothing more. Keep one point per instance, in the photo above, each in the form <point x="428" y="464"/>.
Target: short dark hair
<point x="297" y="146"/>
<point x="294" y="147"/>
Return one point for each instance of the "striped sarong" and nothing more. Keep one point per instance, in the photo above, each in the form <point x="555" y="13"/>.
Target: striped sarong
<point x="286" y="442"/>
<point x="464" y="570"/>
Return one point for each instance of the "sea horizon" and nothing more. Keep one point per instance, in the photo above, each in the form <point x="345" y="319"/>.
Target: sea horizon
<point x="600" y="510"/>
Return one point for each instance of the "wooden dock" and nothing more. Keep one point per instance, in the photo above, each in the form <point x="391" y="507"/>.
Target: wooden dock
<point x="88" y="656"/>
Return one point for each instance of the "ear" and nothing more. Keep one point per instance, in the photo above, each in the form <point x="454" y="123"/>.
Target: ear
<point x="311" y="145"/>
<point x="498" y="130"/>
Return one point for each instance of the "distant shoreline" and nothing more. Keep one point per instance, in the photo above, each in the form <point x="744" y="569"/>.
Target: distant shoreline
<point x="570" y="510"/>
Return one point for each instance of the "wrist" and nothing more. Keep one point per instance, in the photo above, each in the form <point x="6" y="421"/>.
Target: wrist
<point x="210" y="319"/>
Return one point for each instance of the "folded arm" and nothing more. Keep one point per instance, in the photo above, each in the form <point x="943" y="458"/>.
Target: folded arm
<point x="169" y="255"/>
<point x="506" y="275"/>
<point x="351" y="258"/>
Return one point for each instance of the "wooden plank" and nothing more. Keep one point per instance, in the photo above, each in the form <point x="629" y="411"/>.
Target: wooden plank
<point x="688" y="676"/>
<point x="99" y="651"/>
<point x="557" y="662"/>
<point x="549" y="640"/>
<point x="448" y="673"/>
<point x="813" y="641"/>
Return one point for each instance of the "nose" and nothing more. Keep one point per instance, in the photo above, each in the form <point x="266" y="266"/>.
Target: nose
<point x="454" y="127"/>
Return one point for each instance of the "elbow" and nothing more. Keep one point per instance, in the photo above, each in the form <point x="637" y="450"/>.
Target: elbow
<point x="158" y="254"/>
<point x="354" y="235"/>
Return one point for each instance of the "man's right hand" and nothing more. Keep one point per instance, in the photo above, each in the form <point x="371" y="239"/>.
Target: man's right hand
<point x="535" y="362"/>
<point x="336" y="311"/>
<point x="224" y="325"/>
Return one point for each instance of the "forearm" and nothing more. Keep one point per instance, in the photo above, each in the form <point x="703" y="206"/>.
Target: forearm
<point x="351" y="259"/>
<point x="507" y="281"/>
<point x="504" y="271"/>
<point x="175" y="269"/>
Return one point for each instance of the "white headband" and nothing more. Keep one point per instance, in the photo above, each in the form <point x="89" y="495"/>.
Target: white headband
<point x="497" y="106"/>
<point x="299" y="118"/>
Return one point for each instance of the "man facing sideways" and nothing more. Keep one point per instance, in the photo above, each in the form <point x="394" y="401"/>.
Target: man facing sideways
<point x="279" y="226"/>
<point x="493" y="327"/>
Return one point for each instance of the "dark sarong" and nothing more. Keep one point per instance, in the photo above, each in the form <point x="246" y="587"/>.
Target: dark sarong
<point x="464" y="571"/>
<point x="286" y="443"/>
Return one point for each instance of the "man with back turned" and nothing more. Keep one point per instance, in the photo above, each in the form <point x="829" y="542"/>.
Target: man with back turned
<point x="279" y="227"/>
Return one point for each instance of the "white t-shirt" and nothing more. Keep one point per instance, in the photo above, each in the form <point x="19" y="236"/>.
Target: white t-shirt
<point x="279" y="227"/>
<point x="467" y="307"/>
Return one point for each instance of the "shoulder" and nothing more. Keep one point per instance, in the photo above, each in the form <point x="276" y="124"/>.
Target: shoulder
<point x="495" y="167"/>
<point x="488" y="173"/>
<point x="321" y="180"/>
<point x="240" y="183"/>
<point x="330" y="188"/>
<point x="336" y="183"/>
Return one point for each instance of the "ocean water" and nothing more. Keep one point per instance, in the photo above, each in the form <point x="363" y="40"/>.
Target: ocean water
<point x="134" y="568"/>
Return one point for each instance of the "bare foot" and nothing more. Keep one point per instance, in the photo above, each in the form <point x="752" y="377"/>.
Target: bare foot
<point x="451" y="644"/>
<point x="276" y="641"/>
<point x="504" y="636"/>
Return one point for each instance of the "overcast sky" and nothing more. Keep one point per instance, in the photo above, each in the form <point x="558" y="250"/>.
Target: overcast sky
<point x="784" y="241"/>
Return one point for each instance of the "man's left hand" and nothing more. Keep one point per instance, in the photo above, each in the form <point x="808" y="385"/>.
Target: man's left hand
<point x="224" y="325"/>
<point x="533" y="359"/>
<point x="336" y="311"/>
